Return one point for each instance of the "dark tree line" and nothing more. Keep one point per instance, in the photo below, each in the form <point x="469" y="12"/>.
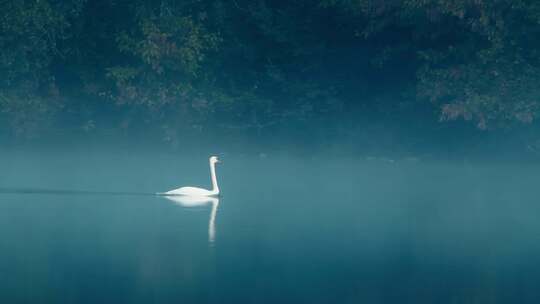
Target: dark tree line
<point x="182" y="66"/>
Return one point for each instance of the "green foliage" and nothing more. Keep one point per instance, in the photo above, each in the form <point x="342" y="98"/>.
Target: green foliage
<point x="255" y="65"/>
<point x="30" y="33"/>
<point x="171" y="44"/>
<point x="166" y="58"/>
<point x="477" y="60"/>
<point x="492" y="76"/>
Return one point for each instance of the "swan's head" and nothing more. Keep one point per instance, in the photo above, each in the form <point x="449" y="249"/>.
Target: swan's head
<point x="214" y="160"/>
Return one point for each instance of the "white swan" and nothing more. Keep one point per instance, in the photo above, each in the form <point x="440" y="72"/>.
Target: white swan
<point x="193" y="201"/>
<point x="196" y="191"/>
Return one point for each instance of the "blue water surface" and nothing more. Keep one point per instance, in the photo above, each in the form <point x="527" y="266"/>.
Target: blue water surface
<point x="288" y="229"/>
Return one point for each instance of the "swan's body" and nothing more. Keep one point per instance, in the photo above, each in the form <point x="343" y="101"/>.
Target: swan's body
<point x="192" y="191"/>
<point x="196" y="191"/>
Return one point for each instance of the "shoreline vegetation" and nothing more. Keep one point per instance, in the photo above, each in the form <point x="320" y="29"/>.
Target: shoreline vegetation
<point x="404" y="76"/>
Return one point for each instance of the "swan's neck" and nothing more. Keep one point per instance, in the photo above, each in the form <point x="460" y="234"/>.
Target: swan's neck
<point x="215" y="188"/>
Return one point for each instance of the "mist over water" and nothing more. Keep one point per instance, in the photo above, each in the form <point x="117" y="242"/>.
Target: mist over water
<point x="373" y="151"/>
<point x="82" y="226"/>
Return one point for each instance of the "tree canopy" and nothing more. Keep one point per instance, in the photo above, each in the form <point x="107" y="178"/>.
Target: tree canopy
<point x="260" y="64"/>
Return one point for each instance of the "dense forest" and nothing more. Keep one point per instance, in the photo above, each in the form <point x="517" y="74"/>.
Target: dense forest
<point x="261" y="68"/>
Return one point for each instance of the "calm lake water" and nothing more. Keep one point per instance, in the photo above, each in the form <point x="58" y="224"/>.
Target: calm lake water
<point x="85" y="229"/>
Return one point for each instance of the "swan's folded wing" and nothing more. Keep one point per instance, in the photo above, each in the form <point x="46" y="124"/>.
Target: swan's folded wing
<point x="189" y="191"/>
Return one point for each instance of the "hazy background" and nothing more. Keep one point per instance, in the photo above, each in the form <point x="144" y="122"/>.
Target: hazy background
<point x="387" y="78"/>
<point x="373" y="151"/>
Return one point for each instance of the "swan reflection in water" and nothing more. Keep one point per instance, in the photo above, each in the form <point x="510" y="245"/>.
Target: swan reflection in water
<point x="191" y="201"/>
